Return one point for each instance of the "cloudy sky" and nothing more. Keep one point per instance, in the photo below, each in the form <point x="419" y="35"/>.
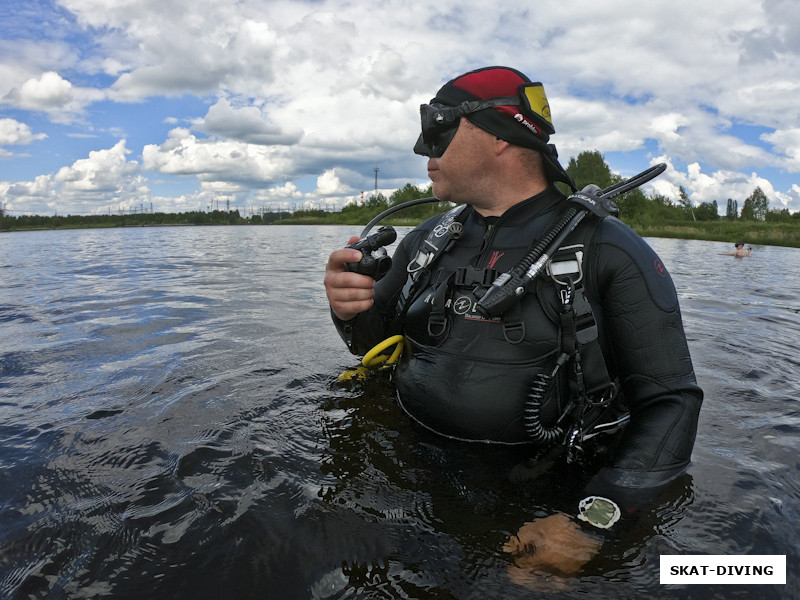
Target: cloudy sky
<point x="109" y="105"/>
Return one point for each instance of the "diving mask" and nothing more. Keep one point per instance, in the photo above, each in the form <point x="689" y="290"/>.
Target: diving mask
<point x="440" y="121"/>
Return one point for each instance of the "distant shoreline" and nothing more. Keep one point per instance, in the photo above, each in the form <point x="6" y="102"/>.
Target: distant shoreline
<point x="771" y="233"/>
<point x="752" y="232"/>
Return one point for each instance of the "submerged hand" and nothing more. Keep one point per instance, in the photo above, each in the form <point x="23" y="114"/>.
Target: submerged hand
<point x="553" y="545"/>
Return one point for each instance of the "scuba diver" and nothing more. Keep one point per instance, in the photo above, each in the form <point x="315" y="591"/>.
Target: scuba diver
<point x="527" y="317"/>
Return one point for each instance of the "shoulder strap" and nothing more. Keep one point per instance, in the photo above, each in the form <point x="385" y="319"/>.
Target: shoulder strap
<point x="449" y="228"/>
<point x="579" y="326"/>
<point x="440" y="239"/>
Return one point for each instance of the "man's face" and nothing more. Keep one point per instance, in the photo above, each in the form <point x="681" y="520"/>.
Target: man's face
<point x="461" y="172"/>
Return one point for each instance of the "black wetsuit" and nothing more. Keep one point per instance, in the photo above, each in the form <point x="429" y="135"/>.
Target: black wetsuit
<point x="469" y="377"/>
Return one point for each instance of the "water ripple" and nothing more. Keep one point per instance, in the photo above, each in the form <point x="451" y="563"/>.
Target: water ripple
<point x="172" y="428"/>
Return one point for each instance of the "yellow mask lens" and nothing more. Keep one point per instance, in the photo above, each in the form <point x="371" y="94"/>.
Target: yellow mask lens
<point x="536" y="101"/>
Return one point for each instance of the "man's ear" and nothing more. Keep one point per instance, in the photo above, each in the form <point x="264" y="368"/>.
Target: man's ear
<point x="500" y="145"/>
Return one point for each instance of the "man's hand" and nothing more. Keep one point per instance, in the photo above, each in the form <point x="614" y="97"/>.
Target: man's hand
<point x="553" y="545"/>
<point x="348" y="293"/>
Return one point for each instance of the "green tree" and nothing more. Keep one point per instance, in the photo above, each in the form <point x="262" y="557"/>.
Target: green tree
<point x="661" y="200"/>
<point x="632" y="205"/>
<point x="707" y="211"/>
<point x="590" y="167"/>
<point x="377" y="201"/>
<point x="732" y="211"/>
<point x="755" y="206"/>
<point x="779" y="215"/>
<point x="760" y="204"/>
<point x="409" y="192"/>
<point x="685" y="203"/>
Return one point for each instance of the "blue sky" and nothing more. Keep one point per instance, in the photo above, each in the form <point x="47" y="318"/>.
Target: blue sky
<point x="107" y="105"/>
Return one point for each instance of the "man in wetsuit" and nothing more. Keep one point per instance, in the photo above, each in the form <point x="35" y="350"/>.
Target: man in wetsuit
<point x="468" y="375"/>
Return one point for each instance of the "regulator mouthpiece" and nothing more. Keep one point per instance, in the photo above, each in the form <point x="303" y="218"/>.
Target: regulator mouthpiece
<point x="374" y="262"/>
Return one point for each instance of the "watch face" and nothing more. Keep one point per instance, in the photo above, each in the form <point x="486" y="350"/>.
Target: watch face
<point x="598" y="511"/>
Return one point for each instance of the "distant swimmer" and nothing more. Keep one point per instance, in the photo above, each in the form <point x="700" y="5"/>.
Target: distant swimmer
<point x="740" y="252"/>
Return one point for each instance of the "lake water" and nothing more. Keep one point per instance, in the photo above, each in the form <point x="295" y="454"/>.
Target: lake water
<point x="171" y="427"/>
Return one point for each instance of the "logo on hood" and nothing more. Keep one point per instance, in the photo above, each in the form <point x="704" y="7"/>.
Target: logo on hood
<point x="520" y="118"/>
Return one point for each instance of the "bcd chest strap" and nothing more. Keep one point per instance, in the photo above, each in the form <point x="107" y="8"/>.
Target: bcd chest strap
<point x="440" y="239"/>
<point x="443" y="297"/>
<point x="469" y="277"/>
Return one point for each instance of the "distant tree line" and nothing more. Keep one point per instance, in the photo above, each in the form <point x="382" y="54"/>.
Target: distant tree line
<point x="636" y="208"/>
<point x="216" y="217"/>
<point x="361" y="213"/>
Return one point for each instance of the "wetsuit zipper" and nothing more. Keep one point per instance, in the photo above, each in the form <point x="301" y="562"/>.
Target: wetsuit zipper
<point x="486" y="243"/>
<point x="492" y="228"/>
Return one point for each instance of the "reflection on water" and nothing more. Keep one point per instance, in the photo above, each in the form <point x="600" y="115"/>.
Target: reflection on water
<point x="171" y="425"/>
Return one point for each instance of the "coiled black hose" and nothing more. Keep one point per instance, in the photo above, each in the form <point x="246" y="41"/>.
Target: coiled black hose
<point x="532" y="413"/>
